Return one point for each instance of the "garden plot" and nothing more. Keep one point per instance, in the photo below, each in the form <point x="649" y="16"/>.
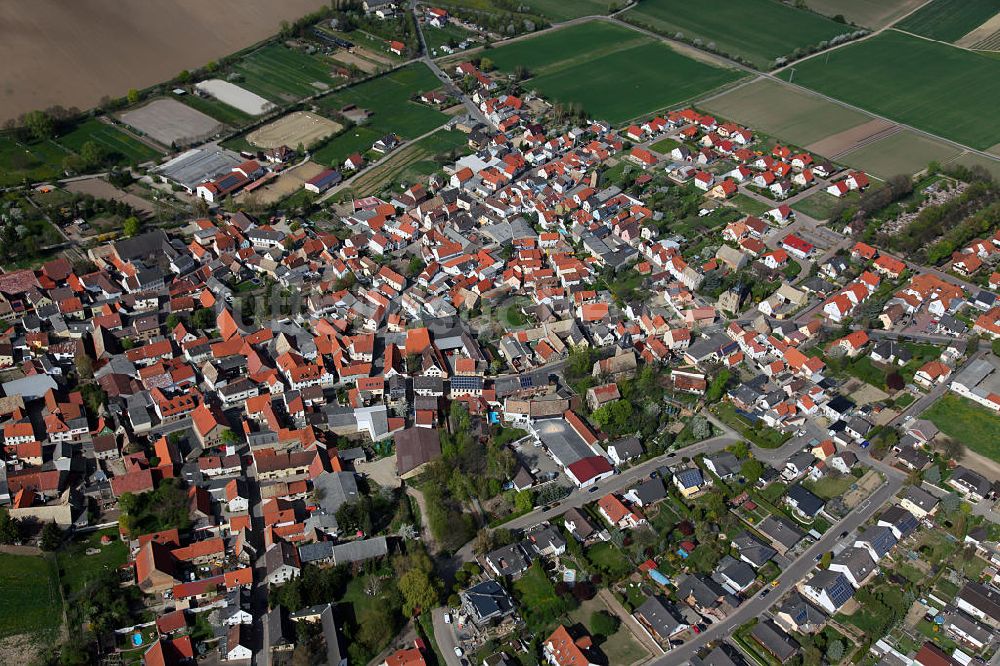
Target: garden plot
<point x="236" y="97"/>
<point x="300" y="127"/>
<point x="170" y="122"/>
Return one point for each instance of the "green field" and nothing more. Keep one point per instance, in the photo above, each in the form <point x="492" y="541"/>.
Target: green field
<point x="905" y="152"/>
<point x="793" y="115"/>
<point x="948" y="20"/>
<point x="413" y="162"/>
<point x="819" y="205"/>
<point x="77" y="568"/>
<point x="33" y="160"/>
<point x="30" y="603"/>
<point x="388" y="98"/>
<point x="976" y="427"/>
<point x="355" y="140"/>
<point x="283" y="75"/>
<point x="938" y="88"/>
<point x="664" y="146"/>
<point x="126" y="148"/>
<point x="621" y="75"/>
<point x="757" y="31"/>
<point x="972" y="159"/>
<point x="564" y="10"/>
<point x="221" y="111"/>
<point x="749" y="206"/>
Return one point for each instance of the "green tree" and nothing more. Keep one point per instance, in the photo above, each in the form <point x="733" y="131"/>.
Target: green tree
<point x="203" y="319"/>
<point x="40" y="124"/>
<point x="419" y="592"/>
<point x="92" y="154"/>
<point x="835" y="652"/>
<point x="718" y="387"/>
<point x="933" y="475"/>
<point x="84" y="367"/>
<point x="523" y="502"/>
<point x="752" y="469"/>
<point x="131" y="226"/>
<point x="603" y="623"/>
<point x="228" y="437"/>
<point x="51" y="537"/>
<point x="132" y="96"/>
<point x="10" y="528"/>
<point x="171" y="321"/>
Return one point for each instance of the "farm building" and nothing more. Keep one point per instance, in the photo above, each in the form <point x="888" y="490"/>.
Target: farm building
<point x="322" y="182"/>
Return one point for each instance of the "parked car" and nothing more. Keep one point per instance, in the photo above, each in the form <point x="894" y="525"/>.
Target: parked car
<point x="447" y="618"/>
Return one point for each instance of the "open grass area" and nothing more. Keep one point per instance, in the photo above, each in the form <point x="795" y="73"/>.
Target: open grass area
<point x="355" y="140"/>
<point x="609" y="560"/>
<point x="620" y="647"/>
<point x="451" y="35"/>
<point x="749" y="206"/>
<point x="283" y="75"/>
<point x="830" y="486"/>
<point x="974" y="159"/>
<point x="757" y="31"/>
<point x="935" y="87"/>
<point x="218" y="110"/>
<point x="819" y="205"/>
<point x="793" y="115"/>
<point x="948" y="20"/>
<point x="127" y="149"/>
<point x="976" y="427"/>
<point x="561" y="10"/>
<point x="388" y="98"/>
<point x="621" y="75"/>
<point x="905" y="152"/>
<point x="30" y="603"/>
<point x="77" y="567"/>
<point x="32" y="160"/>
<point x="664" y="146"/>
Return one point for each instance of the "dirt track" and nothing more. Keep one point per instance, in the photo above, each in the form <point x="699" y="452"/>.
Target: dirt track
<point x="75" y="53"/>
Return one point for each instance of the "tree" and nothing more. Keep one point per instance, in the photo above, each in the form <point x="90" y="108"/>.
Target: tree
<point x="84" y="367"/>
<point x="933" y="475"/>
<point x="740" y="450"/>
<point x="953" y="449"/>
<point x="203" y="319"/>
<point x="133" y="96"/>
<point x="700" y="427"/>
<point x="419" y="592"/>
<point x="171" y="321"/>
<point x="894" y="381"/>
<point x="603" y="623"/>
<point x="835" y="652"/>
<point x="523" y="502"/>
<point x="40" y="124"/>
<point x="131" y="226"/>
<point x="752" y="469"/>
<point x="51" y="537"/>
<point x="995" y="346"/>
<point x="10" y="529"/>
<point x="92" y="154"/>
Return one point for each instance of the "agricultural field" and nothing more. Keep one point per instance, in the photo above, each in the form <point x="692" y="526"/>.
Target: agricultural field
<point x="284" y="75"/>
<point x="168" y="121"/>
<point x="938" y="88"/>
<point x="972" y="159"/>
<point x="949" y="20"/>
<point x="73" y="54"/>
<point x="872" y="14"/>
<point x="221" y="111"/>
<point x="411" y="163"/>
<point x="298" y="127"/>
<point x="560" y="10"/>
<point x="757" y="31"/>
<point x="127" y="149"/>
<point x="622" y="75"/>
<point x="30" y="603"/>
<point x="388" y="98"/>
<point x="793" y="115"/>
<point x="963" y="420"/>
<point x="905" y="152"/>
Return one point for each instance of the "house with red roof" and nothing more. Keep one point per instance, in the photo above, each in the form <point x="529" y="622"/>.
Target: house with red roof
<point x="797" y="247"/>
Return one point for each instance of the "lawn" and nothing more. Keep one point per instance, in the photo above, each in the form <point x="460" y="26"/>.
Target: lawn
<point x="30" y="603"/>
<point x="609" y="559"/>
<point x="748" y="205"/>
<point x="948" y="20"/>
<point x="221" y="111"/>
<point x="357" y="139"/>
<point x="76" y="567"/>
<point x="935" y="87"/>
<point x="976" y="427"/>
<point x="664" y="146"/>
<point x="621" y="75"/>
<point x="125" y="148"/>
<point x="620" y="647"/>
<point x="833" y="485"/>
<point x="283" y="75"/>
<point x="537" y="598"/>
<point x="819" y="205"/>
<point x="757" y="31"/>
<point x="388" y="98"/>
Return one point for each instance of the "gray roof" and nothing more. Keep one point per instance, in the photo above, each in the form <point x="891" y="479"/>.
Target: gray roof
<point x="361" y="550"/>
<point x="487" y="600"/>
<point x="781" y="530"/>
<point x="659" y="615"/>
<point x="197" y="165"/>
<point x="801" y="611"/>
<point x="920" y="498"/>
<point x="336" y="489"/>
<point x="753" y="550"/>
<point x="774" y="640"/>
<point x="856" y="560"/>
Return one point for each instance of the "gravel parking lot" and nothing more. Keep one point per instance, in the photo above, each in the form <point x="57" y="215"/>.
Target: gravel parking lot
<point x="168" y="121"/>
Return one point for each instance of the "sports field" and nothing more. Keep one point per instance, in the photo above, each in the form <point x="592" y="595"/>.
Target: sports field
<point x="785" y="112"/>
<point x="284" y="75"/>
<point x="948" y="20"/>
<point x="758" y="31"/>
<point x="388" y="98"/>
<point x="298" y="127"/>
<point x="938" y="88"/>
<point x="30" y="603"/>
<point x="869" y="13"/>
<point x="621" y="74"/>
<point x="904" y="152"/>
<point x="34" y="161"/>
<point x="127" y="149"/>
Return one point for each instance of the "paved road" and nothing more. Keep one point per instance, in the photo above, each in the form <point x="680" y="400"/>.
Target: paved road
<point x="444" y="636"/>
<point x="787" y="580"/>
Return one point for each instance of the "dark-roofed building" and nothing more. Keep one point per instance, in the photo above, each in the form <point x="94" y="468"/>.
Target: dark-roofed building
<point x="752" y="551"/>
<point x="855" y="563"/>
<point x="507" y="561"/>
<point x="803" y="502"/>
<point x="782" y="533"/>
<point x="647" y="493"/>
<point x="415" y="447"/>
<point x="660" y="619"/>
<point x="900" y="521"/>
<point x="980" y="602"/>
<point x="797" y="614"/>
<point x="579" y="525"/>
<point x="877" y="540"/>
<point x="486" y="602"/>
<point x="774" y="640"/>
<point x="918" y="501"/>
